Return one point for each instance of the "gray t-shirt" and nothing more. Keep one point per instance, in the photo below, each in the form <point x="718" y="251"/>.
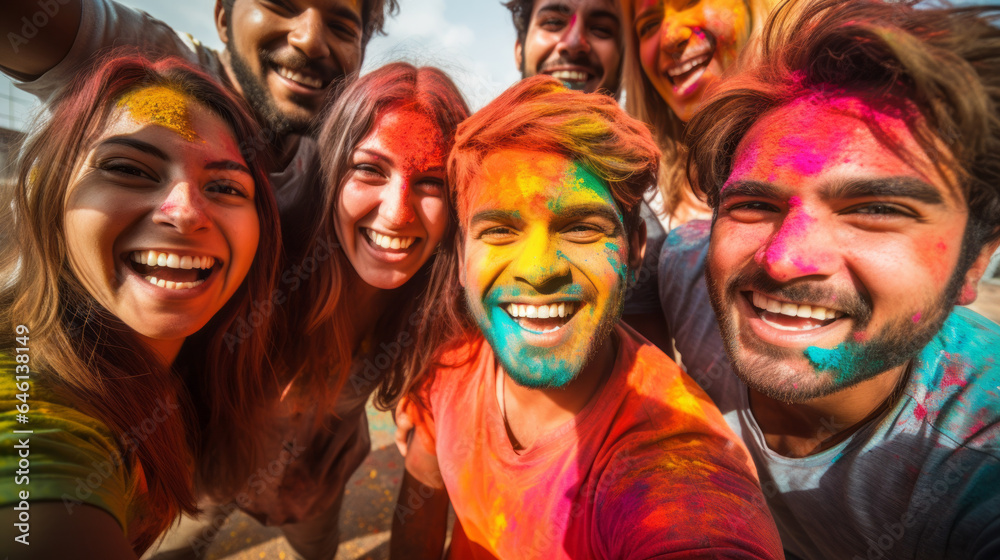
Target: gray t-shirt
<point x="922" y="481"/>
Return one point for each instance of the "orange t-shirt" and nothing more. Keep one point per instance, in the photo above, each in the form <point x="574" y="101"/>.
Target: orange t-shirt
<point x="648" y="469"/>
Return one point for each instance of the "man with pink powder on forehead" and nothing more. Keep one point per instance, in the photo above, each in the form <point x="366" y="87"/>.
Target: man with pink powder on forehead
<point x="852" y="167"/>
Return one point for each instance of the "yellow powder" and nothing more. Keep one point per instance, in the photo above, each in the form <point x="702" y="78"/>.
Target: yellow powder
<point x="161" y="106"/>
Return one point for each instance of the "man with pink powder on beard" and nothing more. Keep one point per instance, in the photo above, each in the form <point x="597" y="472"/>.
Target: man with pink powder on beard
<point x="852" y="167"/>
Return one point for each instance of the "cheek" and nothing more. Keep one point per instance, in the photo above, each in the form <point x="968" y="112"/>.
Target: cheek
<point x="353" y="204"/>
<point x="244" y="231"/>
<point x="649" y="50"/>
<point x="729" y="22"/>
<point x="434" y="214"/>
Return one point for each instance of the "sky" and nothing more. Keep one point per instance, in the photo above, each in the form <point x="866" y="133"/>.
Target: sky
<point x="472" y="40"/>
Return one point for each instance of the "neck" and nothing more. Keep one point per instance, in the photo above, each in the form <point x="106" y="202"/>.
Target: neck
<point x="531" y="413"/>
<point x="810" y="427"/>
<point x="364" y="306"/>
<point x="165" y="350"/>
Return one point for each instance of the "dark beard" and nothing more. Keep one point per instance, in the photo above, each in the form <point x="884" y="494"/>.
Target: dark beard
<point x="850" y="363"/>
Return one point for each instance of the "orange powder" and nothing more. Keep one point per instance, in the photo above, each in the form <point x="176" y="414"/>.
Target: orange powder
<point x="160" y="105"/>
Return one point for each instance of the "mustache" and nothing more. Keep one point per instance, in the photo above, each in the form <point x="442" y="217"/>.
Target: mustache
<point x="583" y="61"/>
<point x="849" y="301"/>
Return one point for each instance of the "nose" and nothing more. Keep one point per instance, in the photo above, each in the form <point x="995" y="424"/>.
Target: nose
<point x="800" y="247"/>
<point x="396" y="206"/>
<point x="674" y="35"/>
<point x="540" y="263"/>
<point x="183" y="209"/>
<point x="308" y="34"/>
<point x="573" y="41"/>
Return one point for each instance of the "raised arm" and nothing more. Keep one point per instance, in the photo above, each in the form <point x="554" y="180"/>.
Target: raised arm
<point x="37" y="34"/>
<point x="420" y="522"/>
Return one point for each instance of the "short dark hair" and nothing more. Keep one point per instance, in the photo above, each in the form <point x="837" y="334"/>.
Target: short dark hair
<point x="520" y="12"/>
<point x="373" y="14"/>
<point x="945" y="61"/>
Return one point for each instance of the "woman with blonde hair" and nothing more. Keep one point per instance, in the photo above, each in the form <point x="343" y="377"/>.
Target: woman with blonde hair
<point x="136" y="235"/>
<point x="675" y="51"/>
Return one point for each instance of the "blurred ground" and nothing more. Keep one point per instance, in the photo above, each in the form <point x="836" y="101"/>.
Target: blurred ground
<point x="371" y="493"/>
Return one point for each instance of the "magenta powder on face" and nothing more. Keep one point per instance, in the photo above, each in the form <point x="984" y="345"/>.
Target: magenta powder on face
<point x="795" y="226"/>
<point x="916" y="317"/>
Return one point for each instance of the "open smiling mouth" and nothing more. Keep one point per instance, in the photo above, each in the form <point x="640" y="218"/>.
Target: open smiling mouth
<point x="541" y="318"/>
<point x="389" y="242"/>
<point x="684" y="74"/>
<point x="303" y="78"/>
<point x="788" y="316"/>
<point x="573" y="79"/>
<point x="172" y="271"/>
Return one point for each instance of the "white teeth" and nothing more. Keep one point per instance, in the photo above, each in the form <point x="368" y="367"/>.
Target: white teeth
<point x="570" y="75"/>
<point x="170" y="260"/>
<point x="387" y="242"/>
<point x="687" y="66"/>
<point x="551" y="311"/>
<point x="300" y="78"/>
<point x="171" y="285"/>
<point x="761" y="301"/>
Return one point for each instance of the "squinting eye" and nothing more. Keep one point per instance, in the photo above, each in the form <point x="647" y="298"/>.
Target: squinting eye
<point x="120" y="168"/>
<point x="881" y="209"/>
<point x="431" y="187"/>
<point x="497" y="235"/>
<point x="226" y="189"/>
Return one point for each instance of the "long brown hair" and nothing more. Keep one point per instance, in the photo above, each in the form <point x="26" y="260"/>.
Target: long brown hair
<point x="92" y="359"/>
<point x="318" y="344"/>
<point x="644" y="103"/>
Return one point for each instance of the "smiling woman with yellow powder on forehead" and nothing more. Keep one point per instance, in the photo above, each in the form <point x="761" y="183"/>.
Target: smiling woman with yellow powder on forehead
<point x="138" y="233"/>
<point x="675" y="51"/>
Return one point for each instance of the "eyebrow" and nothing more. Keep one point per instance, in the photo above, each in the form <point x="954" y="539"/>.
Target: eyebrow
<point x="347" y="13"/>
<point x="494" y="216"/>
<point x="564" y="9"/>
<point x="377" y="155"/>
<point x="228" y="165"/>
<point x="749" y="189"/>
<point x="585" y="210"/>
<point x="897" y="187"/>
<point x="145" y="147"/>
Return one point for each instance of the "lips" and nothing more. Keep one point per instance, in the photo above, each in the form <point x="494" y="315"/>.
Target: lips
<point x="541" y="318"/>
<point x="172" y="271"/>
<point x="299" y="78"/>
<point x="684" y="73"/>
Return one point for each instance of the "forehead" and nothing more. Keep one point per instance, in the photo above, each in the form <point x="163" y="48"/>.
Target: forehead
<point x="530" y="182"/>
<point x="410" y="135"/>
<point x="581" y="7"/>
<point x="350" y="8"/>
<point x="172" y="121"/>
<point x="819" y="138"/>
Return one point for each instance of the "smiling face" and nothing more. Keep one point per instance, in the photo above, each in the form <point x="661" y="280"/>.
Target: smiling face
<point x="160" y="222"/>
<point x="284" y="55"/>
<point x="684" y="46"/>
<point x="579" y="42"/>
<point x="392" y="210"/>
<point x="546" y="260"/>
<point x="833" y="259"/>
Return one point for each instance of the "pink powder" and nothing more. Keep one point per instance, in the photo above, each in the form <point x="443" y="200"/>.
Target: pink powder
<point x="920" y="412"/>
<point x="860" y="336"/>
<point x="916" y="317"/>
<point x="953" y="377"/>
<point x="795" y="225"/>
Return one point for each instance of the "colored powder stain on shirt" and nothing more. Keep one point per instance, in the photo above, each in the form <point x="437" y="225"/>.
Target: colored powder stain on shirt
<point x="689" y="237"/>
<point x="160" y="105"/>
<point x="954" y="376"/>
<point x="920" y="412"/>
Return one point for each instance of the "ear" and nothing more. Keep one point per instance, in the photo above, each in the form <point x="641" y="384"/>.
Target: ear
<point x="637" y="247"/>
<point x="222" y="22"/>
<point x="970" y="286"/>
<point x="519" y="54"/>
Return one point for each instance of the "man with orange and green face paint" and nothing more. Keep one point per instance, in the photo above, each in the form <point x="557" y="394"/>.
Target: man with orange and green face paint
<point x="553" y="429"/>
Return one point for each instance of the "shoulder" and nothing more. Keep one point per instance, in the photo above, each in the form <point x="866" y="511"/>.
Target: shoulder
<point x="458" y="365"/>
<point x="65" y="455"/>
<point x="956" y="382"/>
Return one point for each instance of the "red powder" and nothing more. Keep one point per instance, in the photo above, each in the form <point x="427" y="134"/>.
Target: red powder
<point x="920" y="412"/>
<point x="916" y="317"/>
<point x="953" y="376"/>
<point x="860" y="336"/>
